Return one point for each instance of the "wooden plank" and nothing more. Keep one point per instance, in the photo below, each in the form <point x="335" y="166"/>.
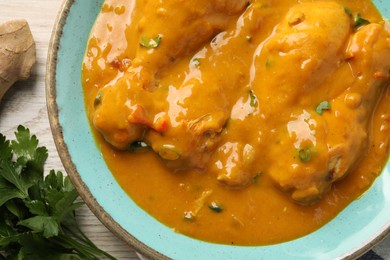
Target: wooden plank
<point x="25" y="104"/>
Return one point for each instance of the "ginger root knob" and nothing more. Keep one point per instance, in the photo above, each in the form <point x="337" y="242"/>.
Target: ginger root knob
<point x="17" y="53"/>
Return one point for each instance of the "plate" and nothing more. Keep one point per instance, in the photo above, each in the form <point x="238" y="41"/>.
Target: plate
<point x="355" y="230"/>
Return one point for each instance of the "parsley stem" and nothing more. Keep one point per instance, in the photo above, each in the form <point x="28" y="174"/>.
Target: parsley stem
<point x="80" y="236"/>
<point x="83" y="250"/>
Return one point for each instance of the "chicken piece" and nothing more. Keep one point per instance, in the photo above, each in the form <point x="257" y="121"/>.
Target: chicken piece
<point x="168" y="31"/>
<point x="369" y="52"/>
<point x="288" y="66"/>
<point x="199" y="108"/>
<point x="304" y="50"/>
<point x="191" y="143"/>
<point x="334" y="142"/>
<point x="183" y="27"/>
<point x="232" y="165"/>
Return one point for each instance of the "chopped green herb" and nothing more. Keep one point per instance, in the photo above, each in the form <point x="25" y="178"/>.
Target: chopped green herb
<point x="98" y="99"/>
<point x="256" y="178"/>
<point x="150" y="43"/>
<point x="348" y="11"/>
<point x="215" y="207"/>
<point x="324" y="105"/>
<point x="269" y="63"/>
<point x="195" y="62"/>
<point x="138" y="146"/>
<point x="253" y="98"/>
<point x="169" y="152"/>
<point x="37" y="213"/>
<point x="359" y="21"/>
<point x="304" y="154"/>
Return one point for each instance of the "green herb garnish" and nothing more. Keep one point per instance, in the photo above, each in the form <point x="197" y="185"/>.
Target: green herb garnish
<point x="98" y="99"/>
<point x="348" y="11"/>
<point x="256" y="178"/>
<point x="253" y="98"/>
<point x="304" y="154"/>
<point x="215" y="207"/>
<point x="324" y="105"/>
<point x="269" y="62"/>
<point x="150" y="43"/>
<point x="37" y="213"/>
<point x="359" y="21"/>
<point x="195" y="62"/>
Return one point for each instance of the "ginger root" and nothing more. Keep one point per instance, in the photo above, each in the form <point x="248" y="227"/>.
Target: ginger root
<point x="17" y="53"/>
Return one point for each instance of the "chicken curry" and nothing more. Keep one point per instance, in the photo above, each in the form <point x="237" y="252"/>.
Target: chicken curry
<point x="240" y="122"/>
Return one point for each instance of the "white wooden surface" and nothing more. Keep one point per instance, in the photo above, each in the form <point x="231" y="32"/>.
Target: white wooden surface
<point x="25" y="104"/>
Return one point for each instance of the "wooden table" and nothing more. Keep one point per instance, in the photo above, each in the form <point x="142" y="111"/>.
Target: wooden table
<point x="25" y="104"/>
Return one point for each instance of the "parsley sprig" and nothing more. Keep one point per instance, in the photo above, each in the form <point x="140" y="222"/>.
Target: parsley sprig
<point x="37" y="213"/>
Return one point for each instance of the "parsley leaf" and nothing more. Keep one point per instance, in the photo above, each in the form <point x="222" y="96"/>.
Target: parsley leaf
<point x="45" y="224"/>
<point x="359" y="21"/>
<point x="5" y="149"/>
<point x="348" y="11"/>
<point x="37" y="213"/>
<point x="195" y="63"/>
<point x="324" y="105"/>
<point x="304" y="154"/>
<point x="253" y="98"/>
<point x="215" y="207"/>
<point x="8" y="192"/>
<point x="11" y="175"/>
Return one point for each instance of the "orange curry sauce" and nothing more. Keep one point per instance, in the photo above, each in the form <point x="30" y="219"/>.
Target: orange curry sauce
<point x="266" y="101"/>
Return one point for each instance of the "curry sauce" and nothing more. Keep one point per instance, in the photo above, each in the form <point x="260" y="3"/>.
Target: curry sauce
<point x="237" y="122"/>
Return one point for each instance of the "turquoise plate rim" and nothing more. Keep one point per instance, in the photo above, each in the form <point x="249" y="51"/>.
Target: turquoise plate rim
<point x="354" y="231"/>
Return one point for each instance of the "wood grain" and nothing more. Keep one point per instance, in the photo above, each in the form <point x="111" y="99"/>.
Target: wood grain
<point x="25" y="103"/>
